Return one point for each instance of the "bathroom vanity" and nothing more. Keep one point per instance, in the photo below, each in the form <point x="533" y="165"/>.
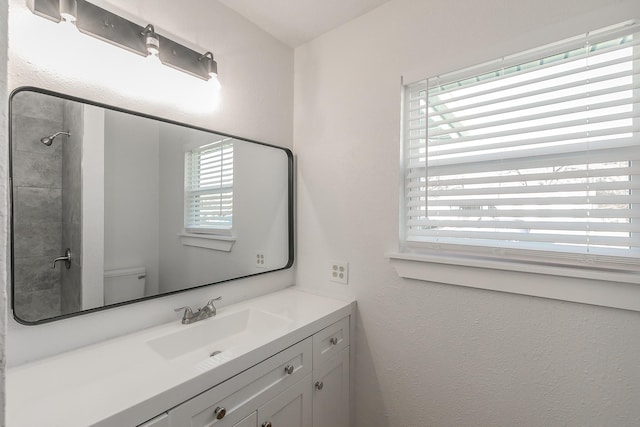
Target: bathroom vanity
<point x="281" y="359"/>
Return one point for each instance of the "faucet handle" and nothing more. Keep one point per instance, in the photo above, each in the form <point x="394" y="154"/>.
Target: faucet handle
<point x="188" y="313"/>
<point x="211" y="307"/>
<point x="214" y="299"/>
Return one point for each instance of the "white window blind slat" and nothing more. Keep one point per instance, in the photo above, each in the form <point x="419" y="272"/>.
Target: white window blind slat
<point x="555" y="161"/>
<point x="562" y="117"/>
<point x="545" y="152"/>
<point x="602" y="170"/>
<point x="548" y="225"/>
<point x="540" y="149"/>
<point x="614" y="120"/>
<point x="527" y="109"/>
<point x="555" y="238"/>
<point x="591" y="69"/>
<point x="541" y="213"/>
<point x="209" y="188"/>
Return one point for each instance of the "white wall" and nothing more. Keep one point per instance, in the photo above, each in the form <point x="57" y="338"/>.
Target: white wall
<point x="256" y="101"/>
<point x="132" y="195"/>
<point x="432" y="354"/>
<point x="93" y="207"/>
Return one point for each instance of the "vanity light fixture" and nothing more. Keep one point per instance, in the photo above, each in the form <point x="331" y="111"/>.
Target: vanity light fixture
<point x="114" y="29"/>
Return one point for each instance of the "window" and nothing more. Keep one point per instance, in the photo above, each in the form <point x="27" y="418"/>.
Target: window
<point x="533" y="157"/>
<point x="208" y="183"/>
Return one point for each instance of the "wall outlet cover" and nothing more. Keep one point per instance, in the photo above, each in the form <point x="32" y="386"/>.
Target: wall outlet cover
<point x="260" y="260"/>
<point x="339" y="272"/>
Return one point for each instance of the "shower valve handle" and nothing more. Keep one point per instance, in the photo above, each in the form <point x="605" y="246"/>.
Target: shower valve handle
<point x="66" y="258"/>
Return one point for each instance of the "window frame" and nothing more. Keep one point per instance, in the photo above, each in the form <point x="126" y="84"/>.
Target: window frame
<point x="482" y="259"/>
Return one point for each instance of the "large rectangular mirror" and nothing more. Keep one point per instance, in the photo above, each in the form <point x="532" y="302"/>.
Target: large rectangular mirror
<point x="111" y="206"/>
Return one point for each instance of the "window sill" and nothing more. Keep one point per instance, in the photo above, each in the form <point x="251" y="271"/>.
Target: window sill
<point x="208" y="241"/>
<point x="587" y="286"/>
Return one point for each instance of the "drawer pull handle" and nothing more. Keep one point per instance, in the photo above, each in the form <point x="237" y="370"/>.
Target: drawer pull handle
<point x="266" y="424"/>
<point x="333" y="341"/>
<point x="319" y="385"/>
<point x="220" y="413"/>
<point x="288" y="369"/>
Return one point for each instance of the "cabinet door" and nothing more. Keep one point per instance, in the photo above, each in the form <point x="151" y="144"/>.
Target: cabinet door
<point x="250" y="421"/>
<point x="331" y="392"/>
<point x="291" y="408"/>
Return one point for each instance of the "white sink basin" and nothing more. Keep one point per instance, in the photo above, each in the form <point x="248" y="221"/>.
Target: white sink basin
<point x="220" y="333"/>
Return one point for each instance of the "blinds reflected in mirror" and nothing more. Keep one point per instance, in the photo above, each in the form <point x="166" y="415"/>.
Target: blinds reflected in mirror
<point x="209" y="188"/>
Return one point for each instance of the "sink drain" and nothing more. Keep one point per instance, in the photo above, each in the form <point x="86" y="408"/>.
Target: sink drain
<point x="215" y="353"/>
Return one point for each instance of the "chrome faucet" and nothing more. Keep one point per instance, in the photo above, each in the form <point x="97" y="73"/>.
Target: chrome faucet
<point x="189" y="316"/>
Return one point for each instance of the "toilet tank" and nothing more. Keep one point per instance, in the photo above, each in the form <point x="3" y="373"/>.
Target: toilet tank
<point x="124" y="284"/>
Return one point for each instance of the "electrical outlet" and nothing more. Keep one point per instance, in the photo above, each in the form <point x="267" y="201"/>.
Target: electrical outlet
<point x="260" y="260"/>
<point x="339" y="272"/>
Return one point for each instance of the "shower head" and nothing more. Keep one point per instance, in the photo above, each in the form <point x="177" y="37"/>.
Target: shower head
<point x="48" y="140"/>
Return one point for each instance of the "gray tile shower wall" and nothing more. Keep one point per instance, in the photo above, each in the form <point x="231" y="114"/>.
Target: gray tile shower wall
<point x="71" y="286"/>
<point x="37" y="199"/>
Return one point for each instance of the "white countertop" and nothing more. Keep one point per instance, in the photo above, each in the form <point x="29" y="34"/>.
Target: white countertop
<point x="124" y="382"/>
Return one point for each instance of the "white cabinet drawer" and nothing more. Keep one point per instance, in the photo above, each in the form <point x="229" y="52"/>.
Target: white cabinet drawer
<point x="242" y="394"/>
<point x="329" y="341"/>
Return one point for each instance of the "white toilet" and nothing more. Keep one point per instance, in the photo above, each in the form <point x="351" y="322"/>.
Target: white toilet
<point x="124" y="284"/>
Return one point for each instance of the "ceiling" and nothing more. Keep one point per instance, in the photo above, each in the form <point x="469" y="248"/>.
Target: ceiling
<point x="295" y="22"/>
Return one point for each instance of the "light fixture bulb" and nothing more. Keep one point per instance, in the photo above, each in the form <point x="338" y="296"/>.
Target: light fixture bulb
<point x="214" y="83"/>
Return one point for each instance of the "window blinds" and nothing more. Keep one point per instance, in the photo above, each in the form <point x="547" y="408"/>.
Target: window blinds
<point x="209" y="188"/>
<point x="541" y="154"/>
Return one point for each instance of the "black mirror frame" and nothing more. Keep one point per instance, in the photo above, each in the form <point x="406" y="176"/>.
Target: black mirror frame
<point x="290" y="207"/>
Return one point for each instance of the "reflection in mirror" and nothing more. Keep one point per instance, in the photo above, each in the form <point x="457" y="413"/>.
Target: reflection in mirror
<point x="110" y="207"/>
